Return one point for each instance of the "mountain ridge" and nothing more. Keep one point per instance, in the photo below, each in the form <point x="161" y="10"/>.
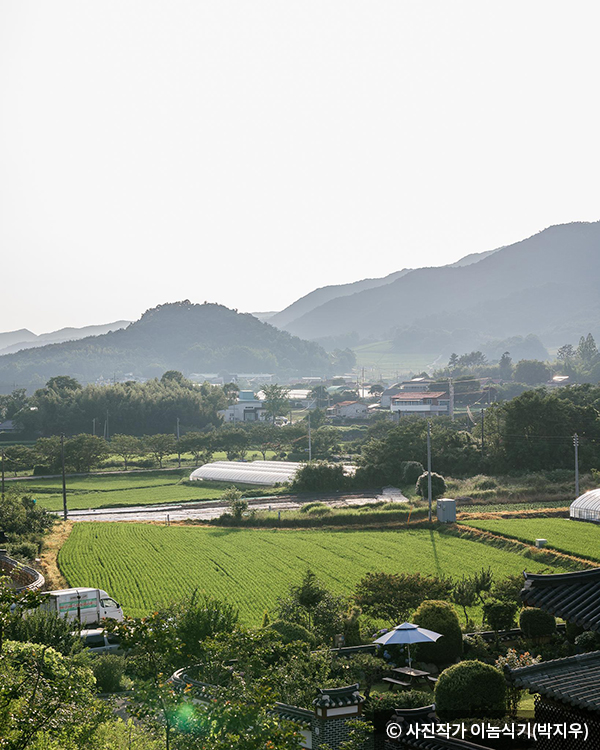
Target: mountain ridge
<point x="179" y="335"/>
<point x="567" y="254"/>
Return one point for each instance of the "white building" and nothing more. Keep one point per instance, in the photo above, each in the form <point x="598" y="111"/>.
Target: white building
<point x="350" y="409"/>
<point x="248" y="408"/>
<point x="425" y="403"/>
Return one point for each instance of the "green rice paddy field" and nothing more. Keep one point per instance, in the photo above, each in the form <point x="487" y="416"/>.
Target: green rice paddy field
<point x="573" y="537"/>
<point x="144" y="565"/>
<point x="132" y="488"/>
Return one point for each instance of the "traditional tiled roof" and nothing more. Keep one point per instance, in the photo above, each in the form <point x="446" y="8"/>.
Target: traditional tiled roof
<point x="292" y="713"/>
<point x="573" y="596"/>
<point x="439" y="743"/>
<point x="574" y="680"/>
<point x="338" y="697"/>
<point x="425" y="716"/>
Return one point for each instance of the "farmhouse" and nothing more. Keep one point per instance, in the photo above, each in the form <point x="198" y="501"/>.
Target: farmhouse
<point x="416" y="385"/>
<point x="420" y="402"/>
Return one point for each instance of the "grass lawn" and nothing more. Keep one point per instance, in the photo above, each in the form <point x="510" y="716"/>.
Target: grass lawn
<point x="145" y="565"/>
<point x="131" y="488"/>
<point x="573" y="537"/>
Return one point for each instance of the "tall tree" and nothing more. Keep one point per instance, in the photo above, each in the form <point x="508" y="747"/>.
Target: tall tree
<point x="126" y="446"/>
<point x="276" y="401"/>
<point x="160" y="446"/>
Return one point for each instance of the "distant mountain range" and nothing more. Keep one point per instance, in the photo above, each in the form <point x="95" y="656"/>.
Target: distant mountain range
<point x="181" y="336"/>
<point x="14" y="341"/>
<point x="546" y="285"/>
<point x="325" y="294"/>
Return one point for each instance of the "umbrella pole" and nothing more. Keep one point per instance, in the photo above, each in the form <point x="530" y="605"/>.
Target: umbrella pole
<point x="409" y="659"/>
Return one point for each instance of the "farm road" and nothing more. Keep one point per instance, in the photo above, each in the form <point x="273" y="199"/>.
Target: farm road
<point x="207" y="510"/>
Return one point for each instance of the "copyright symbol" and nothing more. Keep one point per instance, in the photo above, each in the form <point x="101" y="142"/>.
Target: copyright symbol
<point x="393" y="730"/>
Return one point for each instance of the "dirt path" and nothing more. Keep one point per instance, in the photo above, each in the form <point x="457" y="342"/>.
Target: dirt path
<point x="55" y="539"/>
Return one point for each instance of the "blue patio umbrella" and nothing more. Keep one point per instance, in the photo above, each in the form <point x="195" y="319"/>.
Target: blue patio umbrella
<point x="406" y="634"/>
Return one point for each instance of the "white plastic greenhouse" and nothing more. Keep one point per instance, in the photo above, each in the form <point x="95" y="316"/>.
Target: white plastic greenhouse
<point x="587" y="507"/>
<point x="253" y="472"/>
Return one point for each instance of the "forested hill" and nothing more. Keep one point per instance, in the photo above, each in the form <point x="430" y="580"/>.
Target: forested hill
<point x="498" y="296"/>
<point x="181" y="336"/>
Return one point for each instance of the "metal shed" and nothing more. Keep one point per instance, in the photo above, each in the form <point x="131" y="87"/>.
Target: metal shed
<point x="586" y="507"/>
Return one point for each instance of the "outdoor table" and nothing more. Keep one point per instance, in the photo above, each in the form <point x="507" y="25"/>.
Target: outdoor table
<point x="412" y="674"/>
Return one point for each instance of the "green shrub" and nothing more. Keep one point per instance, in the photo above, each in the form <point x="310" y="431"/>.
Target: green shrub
<point x="440" y="617"/>
<point x="292" y="631"/>
<point x="470" y="689"/>
<point x="588" y="641"/>
<point x="108" y="670"/>
<point x="393" y="596"/>
<point x="315" y="509"/>
<point x="411" y="471"/>
<point x="438" y="485"/>
<point x="47" y="628"/>
<point x="508" y="589"/>
<point x="476" y="648"/>
<point x="486" y="484"/>
<point x="320" y="476"/>
<point x="24" y="550"/>
<point x="390" y="701"/>
<point x="572" y="631"/>
<point x="536" y="623"/>
<point x="499" y="615"/>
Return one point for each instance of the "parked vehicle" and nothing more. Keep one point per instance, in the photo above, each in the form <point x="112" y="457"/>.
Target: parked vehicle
<point x="98" y="641"/>
<point x="85" y="606"/>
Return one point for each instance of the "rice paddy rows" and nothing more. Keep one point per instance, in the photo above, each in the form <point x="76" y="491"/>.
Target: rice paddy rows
<point x="572" y="537"/>
<point x="144" y="565"/>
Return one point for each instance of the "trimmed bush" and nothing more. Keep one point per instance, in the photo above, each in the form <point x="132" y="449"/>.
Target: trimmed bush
<point x="292" y="631"/>
<point x="572" y="631"/>
<point x="108" y="670"/>
<point x="470" y="689"/>
<point x="440" y="617"/>
<point x="438" y="485"/>
<point x="411" y="471"/>
<point x="498" y="614"/>
<point x="535" y="623"/>
<point x="389" y="701"/>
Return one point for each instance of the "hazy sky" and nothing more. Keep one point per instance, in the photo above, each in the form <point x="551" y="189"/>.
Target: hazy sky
<point x="245" y="152"/>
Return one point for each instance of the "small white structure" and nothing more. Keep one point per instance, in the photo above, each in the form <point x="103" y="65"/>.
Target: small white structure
<point x="586" y="507"/>
<point x="248" y="408"/>
<point x="252" y="472"/>
<point x="350" y="409"/>
<point x="446" y="510"/>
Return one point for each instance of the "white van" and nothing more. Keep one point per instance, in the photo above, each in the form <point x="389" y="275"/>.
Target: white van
<point x="85" y="606"/>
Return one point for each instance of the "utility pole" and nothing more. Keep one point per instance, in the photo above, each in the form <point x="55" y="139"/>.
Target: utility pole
<point x="178" y="451"/>
<point x="429" y="468"/>
<point x="3" y="473"/>
<point x="94" y="426"/>
<point x="482" y="433"/>
<point x="64" y="480"/>
<point x="451" y="393"/>
<point x="309" y="440"/>
<point x="107" y="428"/>
<point x="576" y="444"/>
